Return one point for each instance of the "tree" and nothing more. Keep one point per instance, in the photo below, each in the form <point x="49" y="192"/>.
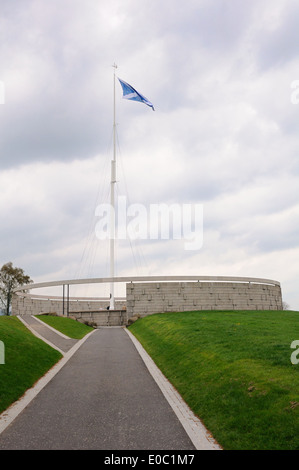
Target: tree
<point x="10" y="278"/>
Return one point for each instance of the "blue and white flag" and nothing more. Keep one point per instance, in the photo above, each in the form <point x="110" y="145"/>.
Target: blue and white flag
<point x="129" y="93"/>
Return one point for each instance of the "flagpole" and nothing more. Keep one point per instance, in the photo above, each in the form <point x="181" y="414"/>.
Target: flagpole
<point x="112" y="199"/>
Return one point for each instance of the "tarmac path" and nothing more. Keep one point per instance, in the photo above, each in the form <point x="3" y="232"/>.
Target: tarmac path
<point x="103" y="398"/>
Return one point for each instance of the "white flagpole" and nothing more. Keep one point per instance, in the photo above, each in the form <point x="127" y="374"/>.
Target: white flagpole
<point x="112" y="200"/>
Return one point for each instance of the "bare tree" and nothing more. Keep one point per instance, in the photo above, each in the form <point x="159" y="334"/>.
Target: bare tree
<point x="10" y="278"/>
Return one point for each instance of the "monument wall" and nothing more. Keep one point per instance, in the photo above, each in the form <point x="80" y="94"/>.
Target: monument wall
<point x="154" y="297"/>
<point x="148" y="295"/>
<point x="34" y="305"/>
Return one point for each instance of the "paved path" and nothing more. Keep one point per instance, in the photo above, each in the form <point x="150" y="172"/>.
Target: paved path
<point x="48" y="334"/>
<point x="103" y="398"/>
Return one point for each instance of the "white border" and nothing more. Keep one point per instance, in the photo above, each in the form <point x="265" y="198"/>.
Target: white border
<point x="198" y="434"/>
<point x="50" y="327"/>
<point x="33" y="331"/>
<point x="15" y="409"/>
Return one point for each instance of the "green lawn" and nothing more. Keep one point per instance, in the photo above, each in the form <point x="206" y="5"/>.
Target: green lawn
<point x="67" y="326"/>
<point x="27" y="358"/>
<point x="234" y="371"/>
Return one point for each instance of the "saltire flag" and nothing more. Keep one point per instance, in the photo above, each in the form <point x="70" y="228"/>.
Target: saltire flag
<point x="129" y="93"/>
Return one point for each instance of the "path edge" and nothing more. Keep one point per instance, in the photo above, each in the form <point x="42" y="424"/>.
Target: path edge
<point x="8" y="415"/>
<point x="198" y="434"/>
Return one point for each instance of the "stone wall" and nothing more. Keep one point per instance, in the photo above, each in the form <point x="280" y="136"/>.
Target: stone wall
<point x="102" y="318"/>
<point x="154" y="297"/>
<point x="160" y="295"/>
<point x="33" y="305"/>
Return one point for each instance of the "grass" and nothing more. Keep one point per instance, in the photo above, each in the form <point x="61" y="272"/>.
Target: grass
<point x="234" y="371"/>
<point x="27" y="358"/>
<point x="67" y="326"/>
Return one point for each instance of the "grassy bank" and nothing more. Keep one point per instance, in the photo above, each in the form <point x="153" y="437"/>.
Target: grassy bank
<point x="67" y="326"/>
<point x="27" y="358"/>
<point x="234" y="371"/>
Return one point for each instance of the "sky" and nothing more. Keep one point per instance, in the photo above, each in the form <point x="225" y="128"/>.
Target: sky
<point x="223" y="77"/>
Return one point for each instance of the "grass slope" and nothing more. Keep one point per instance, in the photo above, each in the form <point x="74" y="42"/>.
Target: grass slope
<point x="67" y="326"/>
<point x="234" y="371"/>
<point x="27" y="358"/>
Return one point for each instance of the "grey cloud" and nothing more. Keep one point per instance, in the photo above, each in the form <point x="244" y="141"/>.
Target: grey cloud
<point x="279" y="46"/>
<point x="48" y="131"/>
<point x="224" y="134"/>
<point x="56" y="107"/>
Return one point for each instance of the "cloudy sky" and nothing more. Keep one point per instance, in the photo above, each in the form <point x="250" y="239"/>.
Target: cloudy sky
<point x="222" y="75"/>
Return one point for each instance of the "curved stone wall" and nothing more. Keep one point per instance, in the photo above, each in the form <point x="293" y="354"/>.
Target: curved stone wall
<point x="26" y="304"/>
<point x="147" y="298"/>
<point x="148" y="295"/>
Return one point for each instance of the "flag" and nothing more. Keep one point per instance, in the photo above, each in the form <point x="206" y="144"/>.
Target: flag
<point x="129" y="93"/>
